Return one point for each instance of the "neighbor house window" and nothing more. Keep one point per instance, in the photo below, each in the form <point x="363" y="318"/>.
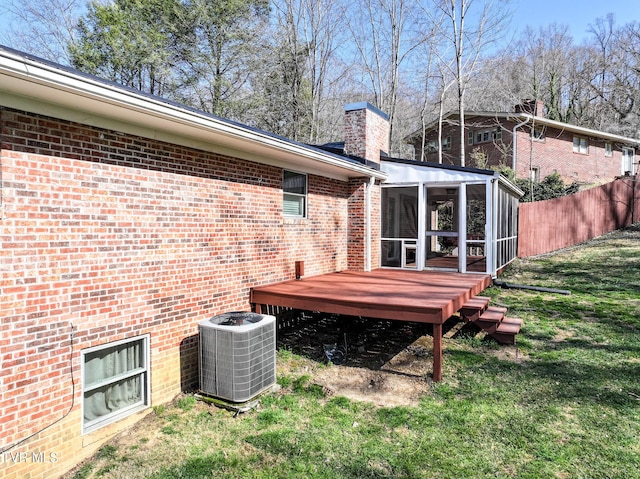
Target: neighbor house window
<point x="432" y="146"/>
<point x="580" y="145"/>
<point x="534" y="174"/>
<point x="608" y="150"/>
<point x="486" y="136"/>
<point x="538" y="133"/>
<point x="115" y="381"/>
<point x="294" y="189"/>
<point x="628" y="156"/>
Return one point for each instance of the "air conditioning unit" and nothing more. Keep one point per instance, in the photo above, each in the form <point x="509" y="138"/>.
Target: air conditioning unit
<point x="237" y="355"/>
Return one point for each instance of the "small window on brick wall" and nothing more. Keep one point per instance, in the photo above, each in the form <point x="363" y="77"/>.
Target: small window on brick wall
<point x="294" y="190"/>
<point x="115" y="381"/>
<point x="484" y="136"/>
<point x="608" y="150"/>
<point x="432" y="146"/>
<point x="538" y="133"/>
<point x="580" y="145"/>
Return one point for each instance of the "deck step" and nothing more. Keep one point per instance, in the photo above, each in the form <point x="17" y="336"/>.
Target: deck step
<point x="491" y="319"/>
<point x="474" y="307"/>
<point x="505" y="332"/>
<point x="493" y="314"/>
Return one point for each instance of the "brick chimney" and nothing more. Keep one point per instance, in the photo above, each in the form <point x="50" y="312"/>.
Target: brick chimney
<point x="366" y="131"/>
<point x="533" y="107"/>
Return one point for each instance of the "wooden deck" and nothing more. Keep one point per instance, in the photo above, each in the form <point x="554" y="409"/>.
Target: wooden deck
<point x="421" y="296"/>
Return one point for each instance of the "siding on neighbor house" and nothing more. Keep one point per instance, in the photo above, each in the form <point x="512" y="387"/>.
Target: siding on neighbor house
<point x="119" y="236"/>
<point x="553" y="154"/>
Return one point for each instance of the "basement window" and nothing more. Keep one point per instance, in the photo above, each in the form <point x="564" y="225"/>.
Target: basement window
<point x="115" y="381"/>
<point x="294" y="190"/>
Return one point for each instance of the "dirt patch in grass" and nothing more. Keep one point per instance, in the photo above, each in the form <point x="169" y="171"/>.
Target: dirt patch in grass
<point x="386" y="363"/>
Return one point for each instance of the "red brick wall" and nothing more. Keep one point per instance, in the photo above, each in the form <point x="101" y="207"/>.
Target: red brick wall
<point x="552" y="155"/>
<point x="555" y="154"/>
<point x="120" y="236"/>
<point x="366" y="134"/>
<point x="358" y="226"/>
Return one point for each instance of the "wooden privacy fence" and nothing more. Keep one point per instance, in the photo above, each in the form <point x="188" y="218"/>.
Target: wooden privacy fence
<point x="549" y="225"/>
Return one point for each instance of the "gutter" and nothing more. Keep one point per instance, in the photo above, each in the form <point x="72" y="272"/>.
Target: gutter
<point x="515" y="142"/>
<point x="39" y="84"/>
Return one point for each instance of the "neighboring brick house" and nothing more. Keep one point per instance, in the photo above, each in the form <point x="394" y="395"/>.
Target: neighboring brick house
<point x="542" y="146"/>
<point x="124" y="220"/>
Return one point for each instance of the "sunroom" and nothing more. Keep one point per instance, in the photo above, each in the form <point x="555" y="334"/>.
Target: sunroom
<point x="447" y="218"/>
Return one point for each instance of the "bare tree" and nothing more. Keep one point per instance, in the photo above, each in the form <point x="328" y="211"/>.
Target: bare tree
<point x="615" y="75"/>
<point x="318" y="26"/>
<point x="473" y="26"/>
<point x="380" y="30"/>
<point x="42" y="27"/>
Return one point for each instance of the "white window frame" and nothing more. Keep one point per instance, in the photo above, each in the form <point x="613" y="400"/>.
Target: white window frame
<point x="143" y="372"/>
<point x="580" y="145"/>
<point x="486" y="136"/>
<point x="534" y="174"/>
<point x="628" y="157"/>
<point x="538" y="133"/>
<point x="294" y="197"/>
<point x="432" y="145"/>
<point x="608" y="149"/>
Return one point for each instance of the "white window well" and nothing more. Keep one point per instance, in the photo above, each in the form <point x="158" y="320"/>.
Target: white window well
<point x="115" y="381"/>
<point x="294" y="189"/>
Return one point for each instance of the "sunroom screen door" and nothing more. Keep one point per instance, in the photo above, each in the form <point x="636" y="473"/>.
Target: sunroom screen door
<point x="441" y="237"/>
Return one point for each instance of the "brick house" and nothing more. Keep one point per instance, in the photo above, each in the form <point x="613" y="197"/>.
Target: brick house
<point x="530" y="144"/>
<point x="126" y="219"/>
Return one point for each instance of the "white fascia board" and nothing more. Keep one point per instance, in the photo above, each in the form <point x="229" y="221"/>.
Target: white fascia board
<point x="44" y="89"/>
<point x="504" y="181"/>
<point x="399" y="173"/>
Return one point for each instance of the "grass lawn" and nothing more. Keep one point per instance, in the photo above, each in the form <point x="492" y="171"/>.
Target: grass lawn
<point x="567" y="407"/>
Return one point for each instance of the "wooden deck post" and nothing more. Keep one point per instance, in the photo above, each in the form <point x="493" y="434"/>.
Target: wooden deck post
<point x="437" y="352"/>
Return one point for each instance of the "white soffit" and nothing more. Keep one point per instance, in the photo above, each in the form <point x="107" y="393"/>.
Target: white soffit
<point x="45" y="89"/>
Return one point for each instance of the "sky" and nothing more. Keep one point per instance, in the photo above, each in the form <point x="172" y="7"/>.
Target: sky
<point x="577" y="14"/>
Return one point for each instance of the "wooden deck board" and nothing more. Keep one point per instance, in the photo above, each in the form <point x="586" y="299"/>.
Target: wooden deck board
<point x="420" y="296"/>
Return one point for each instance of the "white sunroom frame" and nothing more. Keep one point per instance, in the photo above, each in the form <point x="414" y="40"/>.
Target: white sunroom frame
<point x="501" y="207"/>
